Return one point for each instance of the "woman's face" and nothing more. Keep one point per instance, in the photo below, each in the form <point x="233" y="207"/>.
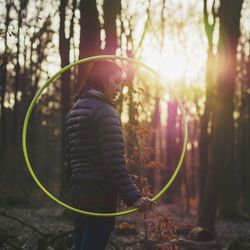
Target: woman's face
<point x="114" y="84"/>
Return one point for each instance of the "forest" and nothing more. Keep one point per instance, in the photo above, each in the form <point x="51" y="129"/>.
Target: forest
<point x="201" y="53"/>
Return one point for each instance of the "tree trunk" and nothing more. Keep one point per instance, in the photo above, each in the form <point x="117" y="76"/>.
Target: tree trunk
<point x="171" y="148"/>
<point x="111" y="9"/>
<point x="155" y="175"/>
<point x="89" y="36"/>
<point x="206" y="117"/>
<point x="23" y="5"/>
<point x="3" y="73"/>
<point x="64" y="49"/>
<point x="242" y="144"/>
<point x="220" y="170"/>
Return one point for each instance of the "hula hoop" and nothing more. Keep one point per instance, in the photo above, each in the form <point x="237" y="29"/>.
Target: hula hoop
<point x="34" y="101"/>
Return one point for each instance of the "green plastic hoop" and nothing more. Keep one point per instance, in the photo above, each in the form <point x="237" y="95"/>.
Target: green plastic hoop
<point x="55" y="76"/>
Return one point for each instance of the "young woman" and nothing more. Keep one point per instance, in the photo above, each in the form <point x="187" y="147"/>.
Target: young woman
<point x="95" y="157"/>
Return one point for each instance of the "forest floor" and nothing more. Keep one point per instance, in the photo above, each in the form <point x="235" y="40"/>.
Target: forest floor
<point x="51" y="228"/>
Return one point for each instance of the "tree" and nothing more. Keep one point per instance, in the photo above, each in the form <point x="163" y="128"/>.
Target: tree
<point x="3" y="76"/>
<point x="206" y="117"/>
<point x="89" y="35"/>
<point x="22" y="11"/>
<point x="220" y="166"/>
<point x="64" y="49"/>
<point x="111" y="9"/>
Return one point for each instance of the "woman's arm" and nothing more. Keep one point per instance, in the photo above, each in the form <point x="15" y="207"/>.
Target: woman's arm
<point x="108" y="128"/>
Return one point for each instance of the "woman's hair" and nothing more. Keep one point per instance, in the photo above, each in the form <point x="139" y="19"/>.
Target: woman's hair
<point x="97" y="76"/>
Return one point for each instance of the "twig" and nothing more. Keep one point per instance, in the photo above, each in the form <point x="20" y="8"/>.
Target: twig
<point x="3" y="213"/>
<point x="13" y="244"/>
<point x="61" y="235"/>
<point x="145" y="228"/>
<point x="186" y="242"/>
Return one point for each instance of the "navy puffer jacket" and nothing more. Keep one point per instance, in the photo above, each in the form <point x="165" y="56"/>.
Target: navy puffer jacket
<point x="94" y="144"/>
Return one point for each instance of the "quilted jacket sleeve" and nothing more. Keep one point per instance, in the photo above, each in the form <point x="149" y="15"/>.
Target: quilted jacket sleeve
<point x="107" y="124"/>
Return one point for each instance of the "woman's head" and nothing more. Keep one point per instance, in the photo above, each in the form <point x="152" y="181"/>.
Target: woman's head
<point x="105" y="76"/>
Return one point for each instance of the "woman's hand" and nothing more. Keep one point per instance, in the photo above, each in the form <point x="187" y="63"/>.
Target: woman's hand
<point x="143" y="204"/>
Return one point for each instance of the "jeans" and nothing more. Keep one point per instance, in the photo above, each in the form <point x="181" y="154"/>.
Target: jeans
<point x="93" y="232"/>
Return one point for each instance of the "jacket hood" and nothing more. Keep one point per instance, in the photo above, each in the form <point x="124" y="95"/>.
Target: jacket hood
<point x="94" y="93"/>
